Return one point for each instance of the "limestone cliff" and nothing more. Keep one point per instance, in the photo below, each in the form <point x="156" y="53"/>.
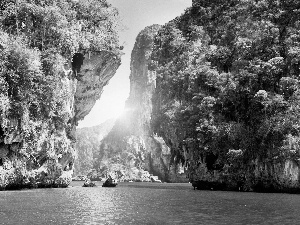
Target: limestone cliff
<point x="88" y="140"/>
<point x="46" y="159"/>
<point x="56" y="57"/>
<point x="131" y="146"/>
<point x="227" y="94"/>
<point x="94" y="74"/>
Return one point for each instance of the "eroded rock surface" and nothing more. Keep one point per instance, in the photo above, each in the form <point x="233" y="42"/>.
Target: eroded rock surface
<point x="131" y="147"/>
<point x="41" y="153"/>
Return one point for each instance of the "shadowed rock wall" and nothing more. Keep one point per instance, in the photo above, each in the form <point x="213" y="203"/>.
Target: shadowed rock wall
<point x="229" y="118"/>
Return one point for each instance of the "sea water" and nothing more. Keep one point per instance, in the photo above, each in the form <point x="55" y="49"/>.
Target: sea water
<point x="145" y="203"/>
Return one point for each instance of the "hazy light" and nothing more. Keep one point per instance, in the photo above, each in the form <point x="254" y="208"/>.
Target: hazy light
<point x="136" y="15"/>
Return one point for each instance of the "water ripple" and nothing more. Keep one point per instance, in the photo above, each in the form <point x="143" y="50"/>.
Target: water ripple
<point x="146" y="204"/>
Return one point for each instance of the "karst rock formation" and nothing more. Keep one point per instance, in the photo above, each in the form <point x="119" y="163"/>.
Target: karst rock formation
<point x="56" y="57"/>
<point x="131" y="147"/>
<point x="227" y="94"/>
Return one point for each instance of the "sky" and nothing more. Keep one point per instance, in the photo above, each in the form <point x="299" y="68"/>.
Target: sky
<point x="135" y="15"/>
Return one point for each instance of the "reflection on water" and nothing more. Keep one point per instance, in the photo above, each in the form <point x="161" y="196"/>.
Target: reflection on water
<point x="145" y="203"/>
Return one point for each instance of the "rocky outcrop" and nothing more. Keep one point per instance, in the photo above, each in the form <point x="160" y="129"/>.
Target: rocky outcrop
<point x="94" y="74"/>
<point x="56" y="57"/>
<point x="225" y="100"/>
<point x="131" y="147"/>
<point x="44" y="155"/>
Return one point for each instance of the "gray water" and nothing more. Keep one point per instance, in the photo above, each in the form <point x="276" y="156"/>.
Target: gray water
<point x="146" y="203"/>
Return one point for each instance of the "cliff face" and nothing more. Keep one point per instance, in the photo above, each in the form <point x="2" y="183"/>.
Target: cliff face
<point x="131" y="146"/>
<point x="44" y="155"/>
<point x="88" y="140"/>
<point x="226" y="95"/>
<point x="56" y="56"/>
<point x="95" y="73"/>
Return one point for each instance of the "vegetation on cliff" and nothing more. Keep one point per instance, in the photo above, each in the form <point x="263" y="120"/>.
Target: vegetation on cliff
<point x="122" y="150"/>
<point x="130" y="151"/>
<point x="227" y="95"/>
<point x="88" y="140"/>
<point x="42" y="44"/>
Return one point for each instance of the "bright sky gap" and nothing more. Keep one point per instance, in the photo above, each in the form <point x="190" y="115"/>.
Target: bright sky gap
<point x="135" y="16"/>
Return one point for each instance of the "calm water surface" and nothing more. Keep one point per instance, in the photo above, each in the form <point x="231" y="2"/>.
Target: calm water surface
<point x="145" y="203"/>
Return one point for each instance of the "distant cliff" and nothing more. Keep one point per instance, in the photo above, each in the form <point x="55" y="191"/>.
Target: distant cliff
<point x="53" y="68"/>
<point x="88" y="140"/>
<point x="226" y="100"/>
<point x="130" y="148"/>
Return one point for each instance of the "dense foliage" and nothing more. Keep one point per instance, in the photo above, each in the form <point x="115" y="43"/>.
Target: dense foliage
<point x="37" y="39"/>
<point x="39" y="43"/>
<point x="62" y="26"/>
<point x="228" y="83"/>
